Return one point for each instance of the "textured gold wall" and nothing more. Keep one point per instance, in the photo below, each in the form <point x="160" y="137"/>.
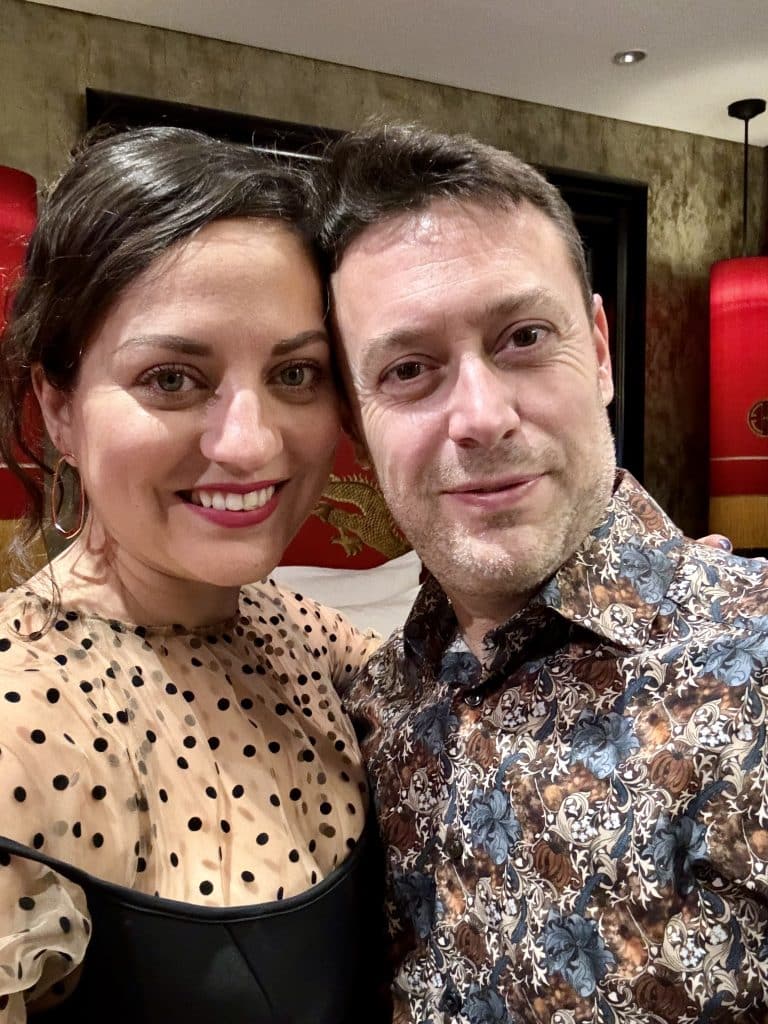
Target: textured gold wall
<point x="49" y="56"/>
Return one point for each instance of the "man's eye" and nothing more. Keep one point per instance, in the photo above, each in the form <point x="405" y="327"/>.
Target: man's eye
<point x="407" y="371"/>
<point x="529" y="335"/>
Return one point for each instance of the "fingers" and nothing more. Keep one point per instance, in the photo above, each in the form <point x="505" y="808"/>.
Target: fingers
<point x="716" y="540"/>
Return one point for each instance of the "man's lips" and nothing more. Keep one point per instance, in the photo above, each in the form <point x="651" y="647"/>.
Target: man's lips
<point x="494" y="486"/>
<point x="494" y="495"/>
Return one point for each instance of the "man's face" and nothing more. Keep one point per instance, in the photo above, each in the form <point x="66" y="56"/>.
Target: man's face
<point x="479" y="385"/>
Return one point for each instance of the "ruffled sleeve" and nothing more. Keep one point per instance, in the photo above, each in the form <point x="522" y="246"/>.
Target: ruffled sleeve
<point x="43" y="935"/>
<point x="64" y="790"/>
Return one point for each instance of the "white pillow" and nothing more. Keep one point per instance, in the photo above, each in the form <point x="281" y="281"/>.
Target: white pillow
<point x="377" y="598"/>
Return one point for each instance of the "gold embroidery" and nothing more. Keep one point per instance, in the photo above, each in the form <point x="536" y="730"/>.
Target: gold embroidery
<point x="372" y="526"/>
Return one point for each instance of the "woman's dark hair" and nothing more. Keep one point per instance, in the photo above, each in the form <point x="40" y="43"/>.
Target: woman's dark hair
<point x="123" y="201"/>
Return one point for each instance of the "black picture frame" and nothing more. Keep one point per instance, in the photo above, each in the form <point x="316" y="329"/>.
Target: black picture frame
<point x="612" y="217"/>
<point x="610" y="213"/>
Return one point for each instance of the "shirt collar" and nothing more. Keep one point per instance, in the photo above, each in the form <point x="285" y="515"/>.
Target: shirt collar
<point x="614" y="585"/>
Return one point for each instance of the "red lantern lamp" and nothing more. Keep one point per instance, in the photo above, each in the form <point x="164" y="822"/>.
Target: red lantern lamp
<point x="18" y="211"/>
<point x="739" y="385"/>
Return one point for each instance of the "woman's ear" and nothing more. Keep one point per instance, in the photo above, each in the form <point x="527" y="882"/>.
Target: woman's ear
<point x="56" y="409"/>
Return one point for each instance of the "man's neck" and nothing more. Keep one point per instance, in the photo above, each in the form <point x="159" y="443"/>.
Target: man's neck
<point x="477" y="618"/>
<point x="482" y="611"/>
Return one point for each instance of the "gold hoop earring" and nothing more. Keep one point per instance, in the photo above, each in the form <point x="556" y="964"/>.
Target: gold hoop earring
<point x="57" y="499"/>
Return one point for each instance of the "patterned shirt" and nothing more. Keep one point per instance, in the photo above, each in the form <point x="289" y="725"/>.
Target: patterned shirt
<point x="577" y="828"/>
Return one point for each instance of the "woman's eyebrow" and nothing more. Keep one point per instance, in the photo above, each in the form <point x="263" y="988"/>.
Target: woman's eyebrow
<point x="172" y="342"/>
<point x="191" y="347"/>
<point x="299" y="340"/>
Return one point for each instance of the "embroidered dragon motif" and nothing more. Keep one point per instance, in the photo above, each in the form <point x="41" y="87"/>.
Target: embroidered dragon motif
<point x="372" y="526"/>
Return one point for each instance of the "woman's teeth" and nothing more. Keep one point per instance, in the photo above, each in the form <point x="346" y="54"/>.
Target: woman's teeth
<point x="230" y="502"/>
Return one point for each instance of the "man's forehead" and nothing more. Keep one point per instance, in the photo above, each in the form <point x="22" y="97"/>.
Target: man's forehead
<point x="446" y="221"/>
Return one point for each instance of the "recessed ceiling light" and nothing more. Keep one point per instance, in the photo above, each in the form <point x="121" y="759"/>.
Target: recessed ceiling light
<point x="629" y="56"/>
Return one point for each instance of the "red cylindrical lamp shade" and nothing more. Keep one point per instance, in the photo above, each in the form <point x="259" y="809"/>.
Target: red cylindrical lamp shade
<point x="739" y="401"/>
<point x="18" y="210"/>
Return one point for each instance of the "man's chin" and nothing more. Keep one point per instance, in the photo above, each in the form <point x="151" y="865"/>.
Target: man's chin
<point x="508" y="564"/>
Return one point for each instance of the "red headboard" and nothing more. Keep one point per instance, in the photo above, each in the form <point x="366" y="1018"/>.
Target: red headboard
<point x="350" y="527"/>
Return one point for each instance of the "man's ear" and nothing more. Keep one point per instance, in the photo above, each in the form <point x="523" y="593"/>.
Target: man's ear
<point x="602" y="349"/>
<point x="56" y="409"/>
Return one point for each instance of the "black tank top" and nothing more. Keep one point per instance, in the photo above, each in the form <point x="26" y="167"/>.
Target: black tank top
<point x="315" y="958"/>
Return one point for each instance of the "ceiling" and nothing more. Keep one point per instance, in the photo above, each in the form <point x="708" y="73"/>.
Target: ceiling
<point x="702" y="54"/>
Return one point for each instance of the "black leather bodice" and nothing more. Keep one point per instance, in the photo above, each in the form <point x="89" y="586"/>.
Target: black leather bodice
<point x="315" y="958"/>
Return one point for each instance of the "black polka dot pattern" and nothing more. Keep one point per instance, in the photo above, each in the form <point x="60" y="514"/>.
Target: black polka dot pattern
<point x="210" y="766"/>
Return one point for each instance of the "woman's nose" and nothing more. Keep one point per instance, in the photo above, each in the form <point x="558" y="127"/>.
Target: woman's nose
<point x="242" y="431"/>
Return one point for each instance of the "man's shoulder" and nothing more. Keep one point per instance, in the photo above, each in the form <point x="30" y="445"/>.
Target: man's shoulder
<point x="388" y="659"/>
<point x="714" y="587"/>
<point x="386" y="676"/>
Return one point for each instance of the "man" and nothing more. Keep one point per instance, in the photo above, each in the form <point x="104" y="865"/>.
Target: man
<point x="567" y="742"/>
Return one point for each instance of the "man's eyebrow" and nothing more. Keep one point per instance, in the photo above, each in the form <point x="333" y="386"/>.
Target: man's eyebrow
<point x="531" y="300"/>
<point x="191" y="347"/>
<point x="386" y="346"/>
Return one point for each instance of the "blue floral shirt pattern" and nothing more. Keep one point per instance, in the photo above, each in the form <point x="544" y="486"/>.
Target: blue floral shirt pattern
<point x="577" y="827"/>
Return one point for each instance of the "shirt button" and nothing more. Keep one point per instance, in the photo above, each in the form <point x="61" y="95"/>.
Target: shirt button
<point x="473" y="699"/>
<point x="451" y="1002"/>
<point x="453" y="847"/>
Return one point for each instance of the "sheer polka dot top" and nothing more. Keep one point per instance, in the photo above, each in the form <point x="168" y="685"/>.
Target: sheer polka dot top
<point x="212" y="766"/>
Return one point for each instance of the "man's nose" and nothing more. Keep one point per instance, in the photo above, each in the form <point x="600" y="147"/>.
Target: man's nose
<point x="482" y="404"/>
<point x="242" y="431"/>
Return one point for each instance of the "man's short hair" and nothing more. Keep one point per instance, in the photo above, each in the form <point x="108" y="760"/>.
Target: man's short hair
<point x="387" y="169"/>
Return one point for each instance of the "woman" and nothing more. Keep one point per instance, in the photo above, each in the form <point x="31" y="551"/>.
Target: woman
<point x="183" y="802"/>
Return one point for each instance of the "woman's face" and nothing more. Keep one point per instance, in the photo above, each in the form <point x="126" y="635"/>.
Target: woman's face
<point x="204" y="419"/>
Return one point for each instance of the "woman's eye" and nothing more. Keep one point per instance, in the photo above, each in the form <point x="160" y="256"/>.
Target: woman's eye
<point x="170" y="380"/>
<point x="299" y="375"/>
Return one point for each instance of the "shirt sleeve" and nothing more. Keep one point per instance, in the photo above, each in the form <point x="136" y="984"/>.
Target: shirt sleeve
<point x="347" y="648"/>
<point x="350" y="651"/>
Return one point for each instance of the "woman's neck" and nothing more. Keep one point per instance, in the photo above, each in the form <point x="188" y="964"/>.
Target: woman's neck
<point x="98" y="579"/>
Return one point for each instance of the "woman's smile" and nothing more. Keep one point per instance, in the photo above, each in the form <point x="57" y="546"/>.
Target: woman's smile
<point x="232" y="497"/>
<point x="234" y="509"/>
